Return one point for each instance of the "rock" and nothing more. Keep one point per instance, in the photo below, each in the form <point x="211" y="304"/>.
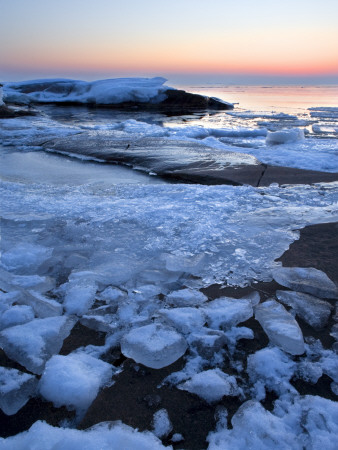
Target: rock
<point x="309" y="280"/>
<point x="311" y="309"/>
<point x="15" y="389"/>
<point x="154" y="345"/>
<point x="280" y="326"/>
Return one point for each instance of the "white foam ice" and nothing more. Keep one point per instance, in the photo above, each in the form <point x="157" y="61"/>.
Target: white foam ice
<point x="161" y="423"/>
<point x="284" y="136"/>
<point x="101" y="92"/>
<point x="211" y="385"/>
<point x="74" y="380"/>
<point x="114" y="436"/>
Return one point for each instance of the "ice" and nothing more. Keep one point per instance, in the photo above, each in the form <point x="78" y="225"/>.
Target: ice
<point x="186" y="297"/>
<point x="15" y="389"/>
<point x="308" y="280"/>
<point x="235" y="334"/>
<point x="280" y="326"/>
<point x="161" y="423"/>
<point x="310" y="422"/>
<point x="33" y="282"/>
<point x="1" y="95"/>
<point x="42" y="306"/>
<point x="16" y="315"/>
<point x="154" y="345"/>
<point x="271" y="369"/>
<point x="311" y="309"/>
<point x="211" y="385"/>
<point x="112" y="295"/>
<point x="101" y="92"/>
<point x="106" y="435"/>
<point x="284" y="136"/>
<point x="177" y="437"/>
<point x="324" y="129"/>
<point x="79" y="296"/>
<point x="185" y="320"/>
<point x="227" y="312"/>
<point x="33" y="343"/>
<point x="207" y="342"/>
<point x="74" y="380"/>
<point x="25" y="257"/>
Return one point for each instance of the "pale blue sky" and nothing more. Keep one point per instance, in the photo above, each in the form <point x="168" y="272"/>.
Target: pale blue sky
<point x="92" y="38"/>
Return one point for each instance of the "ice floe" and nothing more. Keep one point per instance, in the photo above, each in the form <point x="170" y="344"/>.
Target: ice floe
<point x="16" y="388"/>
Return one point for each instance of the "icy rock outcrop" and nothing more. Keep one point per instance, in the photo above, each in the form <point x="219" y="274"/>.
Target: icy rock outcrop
<point x="311" y="309"/>
<point x="153" y="345"/>
<point x="186" y="297"/>
<point x="308" y="280"/>
<point x="15" y="389"/>
<point x="211" y="385"/>
<point x="185" y="320"/>
<point x="227" y="312"/>
<point x="33" y="343"/>
<point x="74" y="380"/>
<point x="280" y="326"/>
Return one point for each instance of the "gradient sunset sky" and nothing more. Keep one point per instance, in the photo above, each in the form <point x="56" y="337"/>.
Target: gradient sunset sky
<point x="91" y="39"/>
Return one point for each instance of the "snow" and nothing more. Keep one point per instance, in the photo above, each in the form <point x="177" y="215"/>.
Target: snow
<point x="79" y="296"/>
<point x="308" y="280"/>
<point x="33" y="343"/>
<point x="211" y="385"/>
<point x="101" y="92"/>
<point x="280" y="326"/>
<point x="74" y="380"/>
<point x="161" y="423"/>
<point x="314" y="311"/>
<point x="114" y="436"/>
<point x="310" y="422"/>
<point x="154" y="345"/>
<point x="15" y="389"/>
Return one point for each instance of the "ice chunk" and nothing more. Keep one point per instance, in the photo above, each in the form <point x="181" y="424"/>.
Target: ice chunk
<point x="211" y="385"/>
<point x="79" y="296"/>
<point x="284" y="136"/>
<point x="280" y="326"/>
<point x="33" y="343"/>
<point x="161" y="423"/>
<point x="154" y="345"/>
<point x="236" y="333"/>
<point x="34" y="282"/>
<point x="189" y="264"/>
<point x="184" y="320"/>
<point x="15" y="389"/>
<point x="16" y="315"/>
<point x="254" y="298"/>
<point x="106" y="435"/>
<point x="207" y="342"/>
<point x="112" y="295"/>
<point x="186" y="297"/>
<point x="309" y="280"/>
<point x="311" y="309"/>
<point x="74" y="380"/>
<point x="25" y="256"/>
<point x="307" y="423"/>
<point x="272" y="369"/>
<point x="43" y="306"/>
<point x="227" y="312"/>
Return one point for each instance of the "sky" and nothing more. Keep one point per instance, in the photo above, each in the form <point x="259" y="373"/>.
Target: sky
<point x="200" y="39"/>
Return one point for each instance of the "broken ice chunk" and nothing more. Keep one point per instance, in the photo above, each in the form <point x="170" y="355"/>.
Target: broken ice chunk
<point x="35" y="282"/>
<point x="161" y="423"/>
<point x="180" y="263"/>
<point x="16" y="315"/>
<point x="211" y="385"/>
<point x="25" y="256"/>
<point x="280" y="326"/>
<point x="15" y="389"/>
<point x="112" y="295"/>
<point x="184" y="320"/>
<point x="154" y="345"/>
<point x="186" y="297"/>
<point x="74" y="380"/>
<point x="311" y="309"/>
<point x="43" y="306"/>
<point x="207" y="342"/>
<point x="79" y="296"/>
<point x="227" y="312"/>
<point x="309" y="280"/>
<point x="254" y="298"/>
<point x="33" y="343"/>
